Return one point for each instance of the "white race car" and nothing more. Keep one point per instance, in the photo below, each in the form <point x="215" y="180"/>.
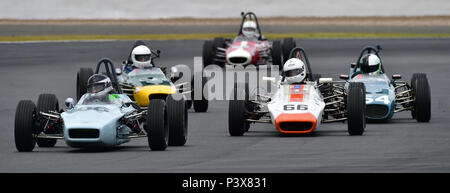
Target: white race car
<point x="299" y="108"/>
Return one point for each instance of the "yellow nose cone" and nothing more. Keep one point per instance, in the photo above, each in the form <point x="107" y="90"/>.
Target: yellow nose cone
<point x="142" y="94"/>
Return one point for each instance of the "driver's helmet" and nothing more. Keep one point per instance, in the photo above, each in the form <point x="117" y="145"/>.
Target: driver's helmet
<point x="249" y="29"/>
<point x="370" y="63"/>
<point x="294" y="71"/>
<point x="99" y="86"/>
<point x="140" y="56"/>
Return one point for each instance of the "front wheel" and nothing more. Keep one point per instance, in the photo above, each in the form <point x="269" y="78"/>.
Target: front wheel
<point x="237" y="124"/>
<point x="23" y="126"/>
<point x="178" y="120"/>
<point x="356" y="108"/>
<point x="157" y="125"/>
<point x="422" y="105"/>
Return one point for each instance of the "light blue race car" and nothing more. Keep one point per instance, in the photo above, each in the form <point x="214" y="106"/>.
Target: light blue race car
<point x="385" y="96"/>
<point x="94" y="123"/>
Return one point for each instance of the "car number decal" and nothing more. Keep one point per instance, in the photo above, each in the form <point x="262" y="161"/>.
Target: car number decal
<point x="383" y="98"/>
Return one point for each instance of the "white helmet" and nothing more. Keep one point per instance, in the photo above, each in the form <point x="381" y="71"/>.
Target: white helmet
<point x="140" y="56"/>
<point x="370" y="63"/>
<point x="294" y="71"/>
<point x="249" y="29"/>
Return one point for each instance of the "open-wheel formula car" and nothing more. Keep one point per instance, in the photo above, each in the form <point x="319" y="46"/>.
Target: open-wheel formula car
<point x="91" y="123"/>
<point x="300" y="107"/>
<point x="247" y="49"/>
<point x="385" y="96"/>
<point x="143" y="85"/>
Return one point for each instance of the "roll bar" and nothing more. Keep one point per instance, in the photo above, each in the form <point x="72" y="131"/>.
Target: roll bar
<point x="109" y="67"/>
<point x="251" y="16"/>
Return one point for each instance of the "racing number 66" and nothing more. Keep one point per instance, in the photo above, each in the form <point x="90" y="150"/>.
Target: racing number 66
<point x="291" y="107"/>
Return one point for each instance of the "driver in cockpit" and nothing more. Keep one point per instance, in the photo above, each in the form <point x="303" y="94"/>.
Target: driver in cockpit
<point x="294" y="71"/>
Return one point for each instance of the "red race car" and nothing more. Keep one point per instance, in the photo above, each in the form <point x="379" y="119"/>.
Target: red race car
<point x="250" y="47"/>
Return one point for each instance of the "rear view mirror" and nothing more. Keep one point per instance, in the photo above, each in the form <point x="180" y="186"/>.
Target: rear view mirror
<point x="269" y="79"/>
<point x="396" y="76"/>
<point x="70" y="103"/>
<point x="325" y="80"/>
<point x="118" y="71"/>
<point x="352" y="65"/>
<point x="343" y="77"/>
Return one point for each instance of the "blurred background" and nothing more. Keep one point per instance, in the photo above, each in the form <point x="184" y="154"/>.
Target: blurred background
<point x="155" y="9"/>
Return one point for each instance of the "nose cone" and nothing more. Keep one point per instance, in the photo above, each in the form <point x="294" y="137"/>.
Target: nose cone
<point x="90" y="126"/>
<point x="91" y="116"/>
<point x="239" y="53"/>
<point x="142" y="94"/>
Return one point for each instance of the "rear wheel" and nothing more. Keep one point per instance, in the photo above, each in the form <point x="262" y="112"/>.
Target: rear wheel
<point x="237" y="124"/>
<point x="208" y="51"/>
<point x="276" y="54"/>
<point x="82" y="77"/>
<point x="46" y="103"/>
<point x="356" y="108"/>
<point x="23" y="126"/>
<point x="157" y="125"/>
<point x="422" y="105"/>
<point x="200" y="105"/>
<point x="178" y="120"/>
<point x="287" y="46"/>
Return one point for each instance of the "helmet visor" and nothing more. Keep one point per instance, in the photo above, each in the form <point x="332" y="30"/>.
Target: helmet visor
<point x="249" y="29"/>
<point x="293" y="72"/>
<point x="142" y="58"/>
<point x="95" y="88"/>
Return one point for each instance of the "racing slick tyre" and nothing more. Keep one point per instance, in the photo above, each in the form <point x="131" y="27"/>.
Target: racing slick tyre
<point x="23" y="126"/>
<point x="82" y="77"/>
<point x="157" y="125"/>
<point x="188" y="104"/>
<point x="200" y="105"/>
<point x="276" y="54"/>
<point x="46" y="103"/>
<point x="237" y="125"/>
<point x="218" y="42"/>
<point x="421" y="90"/>
<point x="178" y="120"/>
<point x="356" y="108"/>
<point x="208" y="53"/>
<point x="287" y="46"/>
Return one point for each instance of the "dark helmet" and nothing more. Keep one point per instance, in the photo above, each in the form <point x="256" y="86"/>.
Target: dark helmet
<point x="99" y="84"/>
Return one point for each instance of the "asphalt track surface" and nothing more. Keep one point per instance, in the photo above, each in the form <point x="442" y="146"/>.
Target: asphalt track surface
<point x="32" y="30"/>
<point x="401" y="145"/>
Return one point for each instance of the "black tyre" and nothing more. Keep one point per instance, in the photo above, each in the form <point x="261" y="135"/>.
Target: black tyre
<point x="356" y="108"/>
<point x="200" y="105"/>
<point x="421" y="91"/>
<point x="277" y="54"/>
<point x="287" y="46"/>
<point x="82" y="77"/>
<point x="218" y="42"/>
<point x="188" y="104"/>
<point x="46" y="103"/>
<point x="178" y="120"/>
<point x="23" y="126"/>
<point x="157" y="125"/>
<point x="208" y="53"/>
<point x="237" y="124"/>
